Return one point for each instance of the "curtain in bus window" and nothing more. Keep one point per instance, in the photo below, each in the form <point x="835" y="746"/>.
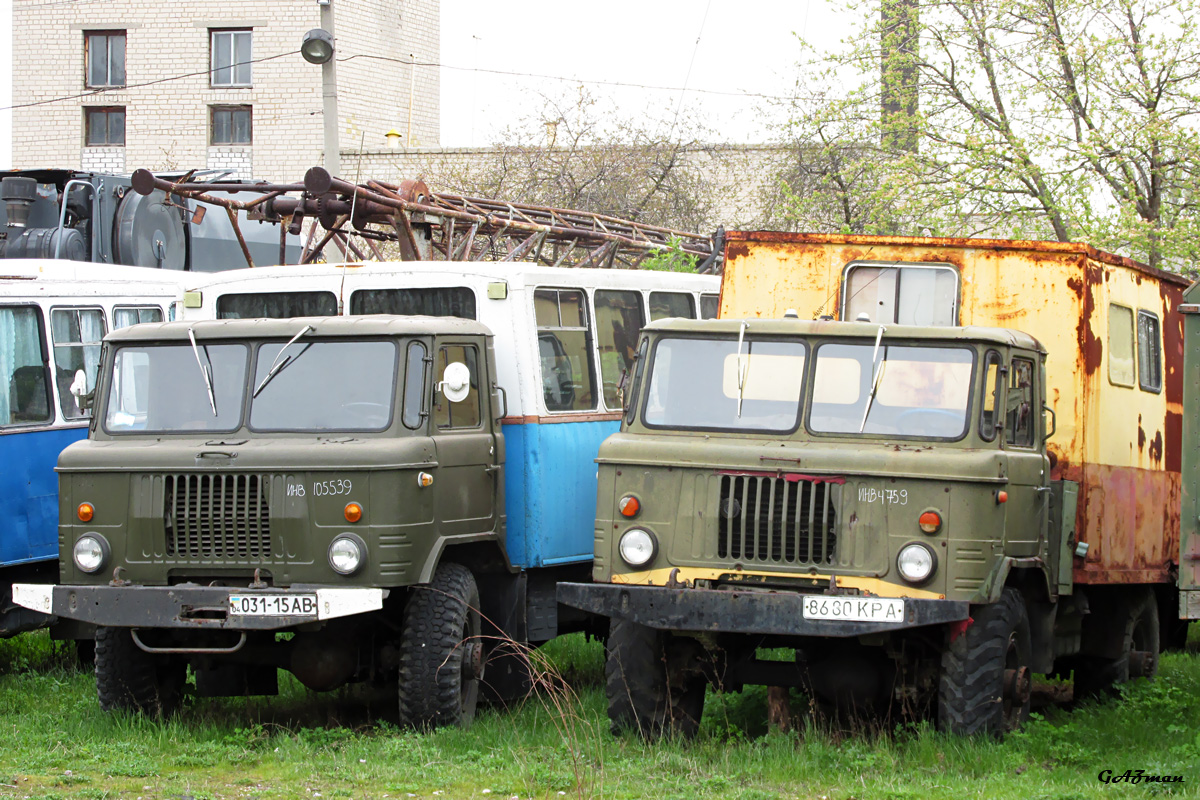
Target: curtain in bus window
<point x="277" y="305"/>
<point x="565" y="350"/>
<point x="25" y="396"/>
<point x="618" y="319"/>
<point x="671" y="304"/>
<point x="442" y="301"/>
<point x="76" y="333"/>
<point x="124" y="317"/>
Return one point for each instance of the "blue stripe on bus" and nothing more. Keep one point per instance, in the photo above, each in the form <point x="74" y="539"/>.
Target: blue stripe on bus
<point x="29" y="493"/>
<point x="550" y="490"/>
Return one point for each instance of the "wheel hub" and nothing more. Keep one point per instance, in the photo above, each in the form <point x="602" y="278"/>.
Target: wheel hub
<point x="1018" y="686"/>
<point x="1142" y="663"/>
<point x="472" y="662"/>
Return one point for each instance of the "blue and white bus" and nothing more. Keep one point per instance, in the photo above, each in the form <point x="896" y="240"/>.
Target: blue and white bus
<point x="53" y="315"/>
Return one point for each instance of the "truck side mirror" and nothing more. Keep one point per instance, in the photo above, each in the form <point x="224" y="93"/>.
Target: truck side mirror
<point x="456" y="382"/>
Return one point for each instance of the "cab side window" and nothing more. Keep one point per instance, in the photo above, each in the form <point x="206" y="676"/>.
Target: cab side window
<point x="1019" y="416"/>
<point x="565" y="349"/>
<point x="993" y="391"/>
<point x="462" y="413"/>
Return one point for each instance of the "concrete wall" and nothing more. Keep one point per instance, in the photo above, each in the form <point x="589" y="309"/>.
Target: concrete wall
<point x="167" y="121"/>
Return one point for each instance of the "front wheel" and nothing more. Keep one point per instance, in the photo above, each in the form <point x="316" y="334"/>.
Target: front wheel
<point x="653" y="683"/>
<point x="441" y="651"/>
<point x="986" y="683"/>
<point x="130" y="679"/>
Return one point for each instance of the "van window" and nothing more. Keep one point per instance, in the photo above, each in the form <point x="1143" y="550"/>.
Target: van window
<point x="564" y="349"/>
<point x="903" y="295"/>
<point x="76" y="333"/>
<point x="277" y="305"/>
<point x="465" y="413"/>
<point x="1149" y="352"/>
<point x="671" y="304"/>
<point x="1120" y="345"/>
<point x="441" y="301"/>
<point x="1018" y="421"/>
<point x="709" y="304"/>
<point x="133" y="315"/>
<point x="24" y="394"/>
<point x="619" y="317"/>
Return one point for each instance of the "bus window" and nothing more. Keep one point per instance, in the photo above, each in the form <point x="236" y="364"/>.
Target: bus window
<point x="277" y="305"/>
<point x="76" y="333"/>
<point x="133" y="315"/>
<point x="709" y="304"/>
<point x="907" y="295"/>
<point x="564" y="349"/>
<point x="447" y="301"/>
<point x="671" y="304"/>
<point x="619" y="317"/>
<point x="25" y="395"/>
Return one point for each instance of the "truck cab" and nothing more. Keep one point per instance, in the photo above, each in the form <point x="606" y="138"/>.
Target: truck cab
<point x="875" y="498"/>
<point x="337" y="480"/>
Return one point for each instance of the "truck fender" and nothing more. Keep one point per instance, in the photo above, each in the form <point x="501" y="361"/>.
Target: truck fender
<point x="435" y="553"/>
<point x="994" y="585"/>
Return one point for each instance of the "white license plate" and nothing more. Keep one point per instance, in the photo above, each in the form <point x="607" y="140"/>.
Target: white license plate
<point x="273" y="605"/>
<point x="854" y="609"/>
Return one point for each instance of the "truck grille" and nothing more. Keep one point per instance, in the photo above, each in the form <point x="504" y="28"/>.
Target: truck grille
<point x="775" y="520"/>
<point x="218" y="516"/>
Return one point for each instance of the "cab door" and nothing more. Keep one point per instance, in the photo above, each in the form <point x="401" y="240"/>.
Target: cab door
<point x="467" y="479"/>
<point x="1028" y="470"/>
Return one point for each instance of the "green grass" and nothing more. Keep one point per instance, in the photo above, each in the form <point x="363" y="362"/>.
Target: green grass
<point x="347" y="745"/>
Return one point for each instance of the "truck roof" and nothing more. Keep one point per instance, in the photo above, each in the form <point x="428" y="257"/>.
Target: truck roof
<point x="367" y="325"/>
<point x="865" y="330"/>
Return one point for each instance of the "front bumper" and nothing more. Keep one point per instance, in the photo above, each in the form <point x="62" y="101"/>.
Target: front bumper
<point x="731" y="611"/>
<point x="188" y="606"/>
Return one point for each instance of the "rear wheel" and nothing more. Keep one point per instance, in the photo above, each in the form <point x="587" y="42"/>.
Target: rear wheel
<point x="1137" y="614"/>
<point x="653" y="683"/>
<point x="441" y="651"/>
<point x="986" y="684"/>
<point x="130" y="679"/>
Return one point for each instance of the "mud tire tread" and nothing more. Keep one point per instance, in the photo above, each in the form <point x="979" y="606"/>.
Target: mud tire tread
<point x="431" y="653"/>
<point x="130" y="679"/>
<point x="642" y="694"/>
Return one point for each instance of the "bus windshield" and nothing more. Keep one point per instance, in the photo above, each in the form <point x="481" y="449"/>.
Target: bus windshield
<point x="721" y="384"/>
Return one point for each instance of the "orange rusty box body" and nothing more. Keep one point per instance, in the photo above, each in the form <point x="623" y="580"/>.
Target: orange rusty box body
<point x="1121" y="444"/>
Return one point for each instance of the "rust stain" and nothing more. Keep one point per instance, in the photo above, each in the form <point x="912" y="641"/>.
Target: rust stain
<point x="1141" y="435"/>
<point x="1156" y="448"/>
<point x="1174" y="441"/>
<point x="1172" y="331"/>
<point x="1129" y="517"/>
<point x="734" y="251"/>
<point x="1091" y="349"/>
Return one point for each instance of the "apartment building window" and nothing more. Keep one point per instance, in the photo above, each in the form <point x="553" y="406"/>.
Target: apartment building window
<point x="231" y="125"/>
<point x="231" y="56"/>
<point x="105" y="58"/>
<point x="104" y="126"/>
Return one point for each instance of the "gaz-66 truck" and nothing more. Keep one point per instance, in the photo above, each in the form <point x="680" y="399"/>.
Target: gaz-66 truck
<point x="246" y="478"/>
<point x="876" y="498"/>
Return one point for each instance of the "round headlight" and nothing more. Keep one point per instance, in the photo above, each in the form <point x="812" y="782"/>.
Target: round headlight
<point x="91" y="552"/>
<point x="346" y="553"/>
<point x="915" y="562"/>
<point x="637" y="547"/>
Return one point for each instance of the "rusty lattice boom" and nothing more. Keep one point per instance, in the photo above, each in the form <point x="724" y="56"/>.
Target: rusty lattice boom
<point x="357" y="218"/>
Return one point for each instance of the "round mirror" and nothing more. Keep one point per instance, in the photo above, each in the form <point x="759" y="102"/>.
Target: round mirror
<point x="79" y="385"/>
<point x="456" y="382"/>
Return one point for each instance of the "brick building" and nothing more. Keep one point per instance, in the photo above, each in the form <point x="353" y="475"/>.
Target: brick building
<point x="124" y="84"/>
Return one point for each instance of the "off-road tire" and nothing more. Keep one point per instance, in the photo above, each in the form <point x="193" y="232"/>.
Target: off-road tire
<point x="130" y="679"/>
<point x="653" y="687"/>
<point x="1138" y="613"/>
<point x="441" y="621"/>
<point x="971" y="694"/>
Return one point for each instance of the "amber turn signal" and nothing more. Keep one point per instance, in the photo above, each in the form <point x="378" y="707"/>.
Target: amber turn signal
<point x="930" y="521"/>
<point x="1001" y="496"/>
<point x="85" y="512"/>
<point x="353" y="512"/>
<point x="629" y="506"/>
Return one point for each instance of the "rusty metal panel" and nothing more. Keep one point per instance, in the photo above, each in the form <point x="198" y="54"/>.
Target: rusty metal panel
<point x="1189" y="523"/>
<point x="1121" y="444"/>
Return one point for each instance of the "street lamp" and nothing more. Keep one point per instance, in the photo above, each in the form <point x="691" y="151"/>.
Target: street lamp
<point x="317" y="48"/>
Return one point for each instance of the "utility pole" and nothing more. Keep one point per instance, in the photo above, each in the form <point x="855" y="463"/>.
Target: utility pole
<point x="318" y="48"/>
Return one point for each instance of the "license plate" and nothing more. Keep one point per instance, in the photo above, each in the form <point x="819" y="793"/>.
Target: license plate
<point x="273" y="605"/>
<point x="854" y="609"/>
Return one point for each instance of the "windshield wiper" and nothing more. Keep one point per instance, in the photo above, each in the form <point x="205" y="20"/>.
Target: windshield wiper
<point x="277" y="365"/>
<point x="878" y="373"/>
<point x="742" y="367"/>
<point x="205" y="371"/>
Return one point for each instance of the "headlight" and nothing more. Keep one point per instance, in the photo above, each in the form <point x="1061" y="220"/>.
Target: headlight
<point x="91" y="552"/>
<point x="346" y="553"/>
<point x="916" y="563"/>
<point x="637" y="547"/>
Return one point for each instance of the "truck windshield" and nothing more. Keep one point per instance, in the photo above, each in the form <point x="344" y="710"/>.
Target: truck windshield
<point x="161" y="389"/>
<point x="694" y="384"/>
<point x="342" y="385"/>
<point x="905" y="391"/>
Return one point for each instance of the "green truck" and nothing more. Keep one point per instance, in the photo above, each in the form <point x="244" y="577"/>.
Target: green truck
<point x="874" y="501"/>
